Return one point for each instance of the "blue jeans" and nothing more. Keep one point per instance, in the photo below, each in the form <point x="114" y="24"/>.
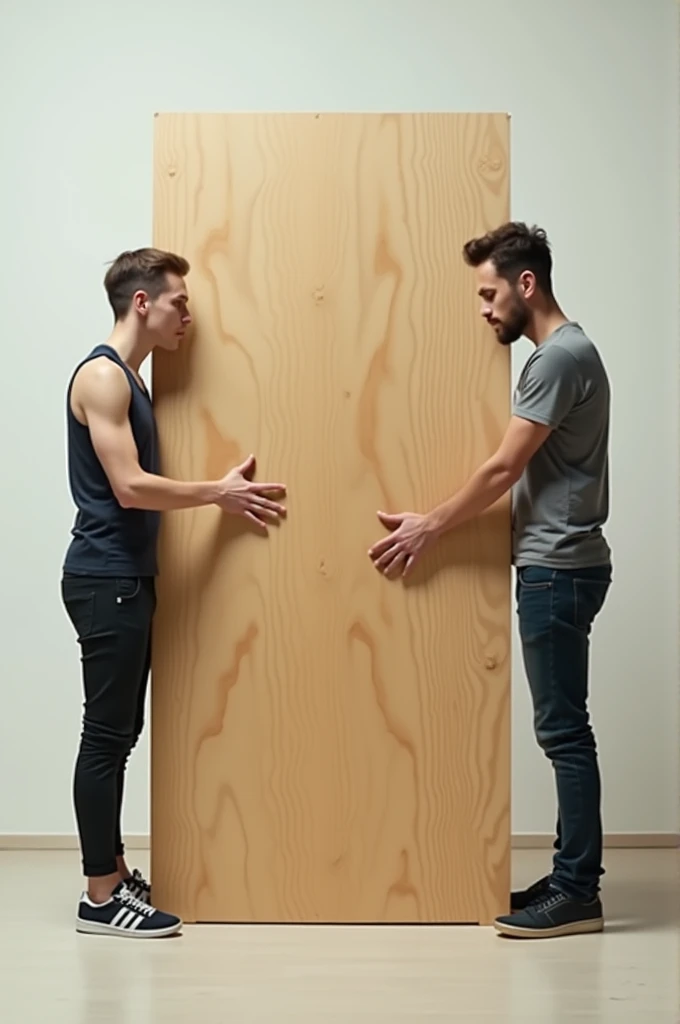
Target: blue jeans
<point x="557" y="608"/>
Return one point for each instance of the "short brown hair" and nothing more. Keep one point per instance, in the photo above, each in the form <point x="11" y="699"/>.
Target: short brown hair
<point x="140" y="269"/>
<point x="514" y="248"/>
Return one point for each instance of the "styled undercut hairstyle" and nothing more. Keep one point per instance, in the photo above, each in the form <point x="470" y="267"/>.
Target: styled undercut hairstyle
<point x="514" y="248"/>
<point x="144" y="269"/>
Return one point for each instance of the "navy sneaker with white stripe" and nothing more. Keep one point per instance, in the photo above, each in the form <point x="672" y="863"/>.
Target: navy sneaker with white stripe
<point x="124" y="915"/>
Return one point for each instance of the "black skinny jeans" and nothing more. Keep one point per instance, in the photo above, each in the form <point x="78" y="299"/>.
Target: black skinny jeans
<point x="112" y="618"/>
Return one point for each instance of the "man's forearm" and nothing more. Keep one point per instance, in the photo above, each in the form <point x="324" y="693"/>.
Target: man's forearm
<point x="161" y="494"/>
<point x="484" y="488"/>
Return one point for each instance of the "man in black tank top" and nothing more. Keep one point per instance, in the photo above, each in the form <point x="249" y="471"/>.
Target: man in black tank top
<point x="108" y="583"/>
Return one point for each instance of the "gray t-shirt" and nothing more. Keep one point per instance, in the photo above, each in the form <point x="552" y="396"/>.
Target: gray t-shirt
<point x="561" y="501"/>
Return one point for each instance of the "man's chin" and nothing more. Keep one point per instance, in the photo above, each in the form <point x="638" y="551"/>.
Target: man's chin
<point x="173" y="343"/>
<point x="507" y="339"/>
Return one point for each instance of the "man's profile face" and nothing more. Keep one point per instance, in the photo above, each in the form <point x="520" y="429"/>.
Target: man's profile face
<point x="502" y="305"/>
<point x="167" y="316"/>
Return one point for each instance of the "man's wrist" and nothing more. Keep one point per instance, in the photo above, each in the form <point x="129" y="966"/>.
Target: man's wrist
<point x="214" y="491"/>
<point x="436" y="523"/>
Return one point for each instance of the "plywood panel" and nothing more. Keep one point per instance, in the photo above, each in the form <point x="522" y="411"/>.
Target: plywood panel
<point x="328" y="745"/>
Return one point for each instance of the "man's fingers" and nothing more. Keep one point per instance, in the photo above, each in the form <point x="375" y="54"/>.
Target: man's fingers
<point x="391" y="521"/>
<point x="269" y="490"/>
<point x="247" y="468"/>
<point x="408" y="568"/>
<point x="262" y="527"/>
<point x="257" y="503"/>
<point x="393" y="567"/>
<point x="388" y="556"/>
<point x="266" y="513"/>
<point x="381" y="546"/>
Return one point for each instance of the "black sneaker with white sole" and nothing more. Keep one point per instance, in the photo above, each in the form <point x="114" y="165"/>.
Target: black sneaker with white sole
<point x="551" y="916"/>
<point x="124" y="915"/>
<point x="520" y="899"/>
<point x="139" y="886"/>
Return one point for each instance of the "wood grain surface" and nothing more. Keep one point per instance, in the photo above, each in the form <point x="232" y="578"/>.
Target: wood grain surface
<point x="327" y="745"/>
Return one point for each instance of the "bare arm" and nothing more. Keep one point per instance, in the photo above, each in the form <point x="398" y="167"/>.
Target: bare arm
<point x="100" y="399"/>
<point x="547" y="392"/>
<point x="412" y="534"/>
<point x="494" y="478"/>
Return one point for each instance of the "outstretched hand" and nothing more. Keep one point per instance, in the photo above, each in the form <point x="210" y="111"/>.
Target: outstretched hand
<point x="241" y="496"/>
<point x="398" y="553"/>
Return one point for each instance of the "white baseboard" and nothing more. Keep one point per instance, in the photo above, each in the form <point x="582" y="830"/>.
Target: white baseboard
<point x="36" y="841"/>
<point x="612" y="840"/>
<point x="520" y="841"/>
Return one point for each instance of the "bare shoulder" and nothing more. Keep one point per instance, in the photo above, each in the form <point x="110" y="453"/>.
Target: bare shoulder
<point x="100" y="387"/>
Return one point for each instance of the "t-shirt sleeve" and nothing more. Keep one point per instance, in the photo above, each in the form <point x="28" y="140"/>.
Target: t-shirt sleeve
<point x="549" y="388"/>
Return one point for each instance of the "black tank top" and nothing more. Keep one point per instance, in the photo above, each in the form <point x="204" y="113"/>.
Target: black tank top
<point x="109" y="540"/>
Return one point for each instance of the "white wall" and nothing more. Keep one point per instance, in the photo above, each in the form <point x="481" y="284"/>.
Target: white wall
<point x="592" y="89"/>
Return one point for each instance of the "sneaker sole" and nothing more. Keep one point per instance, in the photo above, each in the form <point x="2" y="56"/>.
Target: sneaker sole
<point x="577" y="928"/>
<point x="91" y="928"/>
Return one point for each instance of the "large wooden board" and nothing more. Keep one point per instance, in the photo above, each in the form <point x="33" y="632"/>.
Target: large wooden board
<point x="328" y="745"/>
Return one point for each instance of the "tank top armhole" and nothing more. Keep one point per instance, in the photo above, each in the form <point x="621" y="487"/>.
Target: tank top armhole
<point x="107" y="353"/>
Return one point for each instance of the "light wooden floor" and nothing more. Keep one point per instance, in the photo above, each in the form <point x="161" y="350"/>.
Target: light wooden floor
<point x="215" y="975"/>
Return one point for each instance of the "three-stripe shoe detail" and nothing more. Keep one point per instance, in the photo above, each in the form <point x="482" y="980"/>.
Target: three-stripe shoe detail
<point x="124" y="914"/>
<point x="130" y="918"/>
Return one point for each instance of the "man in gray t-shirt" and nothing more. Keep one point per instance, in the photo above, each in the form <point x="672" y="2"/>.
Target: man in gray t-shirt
<point x="561" y="501"/>
<point x="554" y="457"/>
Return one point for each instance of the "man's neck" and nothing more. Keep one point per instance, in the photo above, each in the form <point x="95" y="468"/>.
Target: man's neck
<point x="132" y="346"/>
<point x="545" y="322"/>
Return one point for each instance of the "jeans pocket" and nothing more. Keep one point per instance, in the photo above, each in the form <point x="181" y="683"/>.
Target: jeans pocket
<point x="127" y="588"/>
<point x="535" y="577"/>
<point x="535" y="598"/>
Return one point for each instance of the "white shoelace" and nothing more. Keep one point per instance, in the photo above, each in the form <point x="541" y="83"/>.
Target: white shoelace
<point x="130" y="901"/>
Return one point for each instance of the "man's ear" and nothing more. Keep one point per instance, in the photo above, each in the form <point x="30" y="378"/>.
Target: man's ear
<point x="527" y="284"/>
<point x="140" y="302"/>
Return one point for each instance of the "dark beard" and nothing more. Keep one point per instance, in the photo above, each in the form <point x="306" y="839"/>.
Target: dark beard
<point x="515" y="326"/>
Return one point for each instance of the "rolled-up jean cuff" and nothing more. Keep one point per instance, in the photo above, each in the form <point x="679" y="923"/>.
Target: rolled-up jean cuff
<point x="99" y="870"/>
